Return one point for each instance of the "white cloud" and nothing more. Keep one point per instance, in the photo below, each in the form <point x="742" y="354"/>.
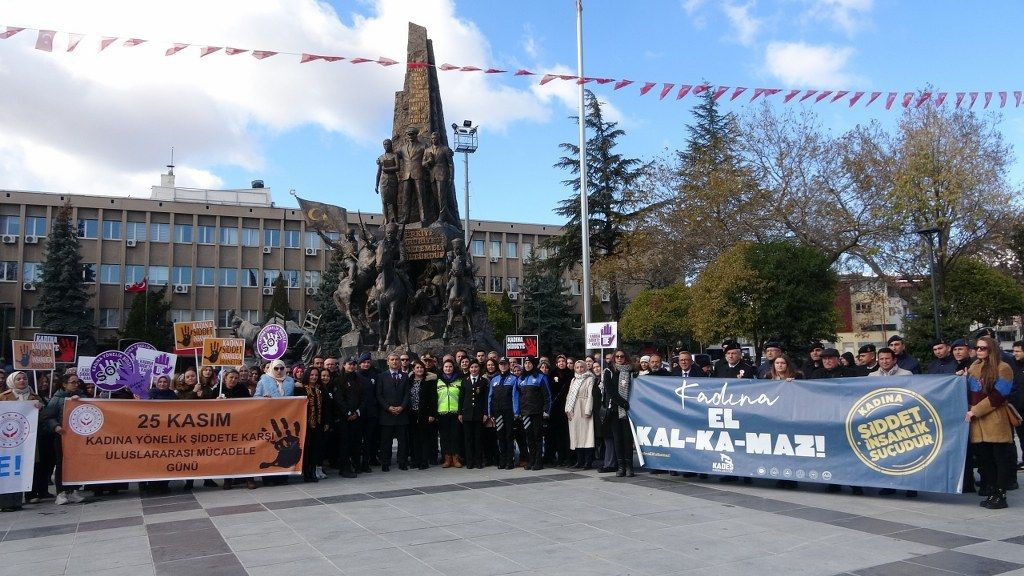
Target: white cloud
<point x="691" y="6"/>
<point x="692" y="9"/>
<point x="567" y="92"/>
<point x="801" y="65"/>
<point x="530" y="44"/>
<point x="848" y="15"/>
<point x="93" y="122"/>
<point x="744" y="24"/>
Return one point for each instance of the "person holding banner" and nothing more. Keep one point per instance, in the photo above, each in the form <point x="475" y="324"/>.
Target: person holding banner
<point x="989" y="381"/>
<point x="275" y="383"/>
<point x="579" y="411"/>
<point x="53" y="418"/>
<point x="18" y="390"/>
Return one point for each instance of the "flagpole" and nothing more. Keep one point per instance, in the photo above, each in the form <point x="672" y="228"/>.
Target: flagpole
<point x="584" y="209"/>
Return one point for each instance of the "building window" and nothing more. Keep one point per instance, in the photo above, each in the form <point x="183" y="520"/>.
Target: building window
<point x="181" y="275"/>
<point x="204" y="276"/>
<point x="229" y="236"/>
<point x="182" y="233"/>
<point x="251" y="316"/>
<point x="269" y="276"/>
<point x="311" y="279"/>
<point x="291" y="278"/>
<point x="542" y="253"/>
<point x="480" y="282"/>
<point x="250" y="236"/>
<point x="179" y="315"/>
<point x="512" y="250"/>
<point x="495" y="249"/>
<point x="224" y="318"/>
<point x="9" y="271"/>
<point x="333" y="237"/>
<point x="575" y="287"/>
<point x="313" y="240"/>
<point x="110" y="317"/>
<point x="291" y="239"/>
<point x="28" y="318"/>
<point x="206" y="234"/>
<point x="527" y="250"/>
<point x="89" y="273"/>
<point x="111" y="229"/>
<point x="9" y="225"/>
<point x="35" y="226"/>
<point x="204" y="314"/>
<point x="496" y="284"/>
<point x="250" y="277"/>
<point x="158" y="275"/>
<point x="478" y="247"/>
<point x="272" y="238"/>
<point x="134" y="273"/>
<point x="159" y="232"/>
<point x="88" y="228"/>
<point x="862" y="307"/>
<point x="32" y="272"/>
<point x="228" y="277"/>
<point x="110" y="274"/>
<point x="513" y="284"/>
<point x="135" y="231"/>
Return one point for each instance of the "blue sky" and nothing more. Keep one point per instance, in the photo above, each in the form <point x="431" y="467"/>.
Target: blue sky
<point x="104" y="122"/>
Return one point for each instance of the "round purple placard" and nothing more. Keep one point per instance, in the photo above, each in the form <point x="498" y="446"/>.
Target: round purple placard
<point x="107" y="367"/>
<point x="130" y="351"/>
<point x="271" y="342"/>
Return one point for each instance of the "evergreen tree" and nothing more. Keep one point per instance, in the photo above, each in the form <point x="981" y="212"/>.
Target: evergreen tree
<point x="279" y="305"/>
<point x="500" y="313"/>
<point x="333" y="324"/>
<point x="63" y="300"/>
<point x="610" y="177"/>
<point x="547" y="310"/>
<point x="148" y="319"/>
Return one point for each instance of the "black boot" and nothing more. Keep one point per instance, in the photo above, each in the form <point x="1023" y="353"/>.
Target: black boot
<point x="629" y="469"/>
<point x="997" y="501"/>
<point x="621" y="470"/>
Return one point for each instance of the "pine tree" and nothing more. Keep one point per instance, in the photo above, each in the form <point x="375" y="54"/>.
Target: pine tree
<point x="148" y="319"/>
<point x="500" y="313"/>
<point x="279" y="305"/>
<point x="63" y="300"/>
<point x="333" y="324"/>
<point x="547" y="310"/>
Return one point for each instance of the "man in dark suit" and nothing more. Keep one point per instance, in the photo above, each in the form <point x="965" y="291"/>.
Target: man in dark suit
<point x="732" y="365"/>
<point x="393" y="399"/>
<point x="412" y="176"/>
<point x="687" y="369"/>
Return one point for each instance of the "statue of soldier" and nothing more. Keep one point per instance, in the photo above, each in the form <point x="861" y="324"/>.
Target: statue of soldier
<point x="459" y="288"/>
<point x="411" y="175"/>
<point x="438" y="158"/>
<point x="387" y="181"/>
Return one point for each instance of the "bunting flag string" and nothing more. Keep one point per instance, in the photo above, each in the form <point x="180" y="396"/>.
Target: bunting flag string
<point x="45" y="42"/>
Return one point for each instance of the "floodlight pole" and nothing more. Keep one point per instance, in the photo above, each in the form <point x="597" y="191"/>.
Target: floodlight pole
<point x="584" y="209"/>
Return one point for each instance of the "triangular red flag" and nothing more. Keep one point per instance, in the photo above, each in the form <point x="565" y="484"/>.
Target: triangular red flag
<point x="700" y="88"/>
<point x="131" y="42"/>
<point x="233" y="51"/>
<point x="683" y="91"/>
<point x="175" y="49"/>
<point x="446" y="67"/>
<point x="334" y="58"/>
<point x="583" y="80"/>
<point x="974" y="98"/>
<point x="386" y="61"/>
<point x="44" y="41"/>
<point x="106" y="41"/>
<point x="522" y="72"/>
<point x="547" y="78"/>
<point x="362" y="60"/>
<point x="807" y="95"/>
<point x="959" y="99"/>
<point x="736" y="93"/>
<point x="1002" y="99"/>
<point x="907" y="97"/>
<point x="771" y="91"/>
<point x="790" y="96"/>
<point x="924" y="97"/>
<point x="889" y="100"/>
<point x="11" y="31"/>
<point x="622" y="84"/>
<point x="494" y="71"/>
<point x="665" y="89"/>
<point x="261" y="54"/>
<point x="988" y="98"/>
<point x="1016" y="98"/>
<point x="566" y="77"/>
<point x="470" y="69"/>
<point x="207" y="50"/>
<point x="308" y="58"/>
<point x="757" y="92"/>
<point x="647" y="87"/>
<point x="718" y="92"/>
<point x="856" y="97"/>
<point x="824" y="94"/>
<point x="604" y="80"/>
<point x="940" y="98"/>
<point x="839" y="95"/>
<point x="73" y="40"/>
<point x="874" y="96"/>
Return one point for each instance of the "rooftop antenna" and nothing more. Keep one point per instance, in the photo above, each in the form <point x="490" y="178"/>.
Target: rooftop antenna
<point x="170" y="167"/>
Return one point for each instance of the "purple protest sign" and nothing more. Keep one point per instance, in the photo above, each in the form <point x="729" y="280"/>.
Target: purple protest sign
<point x="107" y="367"/>
<point x="131" y="350"/>
<point x="271" y="342"/>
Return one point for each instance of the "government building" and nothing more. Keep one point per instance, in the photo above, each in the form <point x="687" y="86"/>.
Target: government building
<point x="218" y="250"/>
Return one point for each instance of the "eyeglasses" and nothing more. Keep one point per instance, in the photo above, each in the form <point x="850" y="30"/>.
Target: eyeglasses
<point x="981" y="347"/>
<point x="620" y="355"/>
<point x="404" y="359"/>
<point x="276" y="368"/>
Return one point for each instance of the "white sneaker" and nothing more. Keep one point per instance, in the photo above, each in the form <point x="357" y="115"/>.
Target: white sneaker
<point x="62" y="499"/>
<point x="76" y="497"/>
<point x="320" y="473"/>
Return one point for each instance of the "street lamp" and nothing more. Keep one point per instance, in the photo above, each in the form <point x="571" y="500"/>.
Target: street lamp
<point x="933" y="233"/>
<point x="466" y="142"/>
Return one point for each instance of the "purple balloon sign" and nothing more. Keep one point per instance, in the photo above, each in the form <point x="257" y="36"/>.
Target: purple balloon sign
<point x="271" y="342"/>
<point x="107" y="368"/>
<point x="130" y="350"/>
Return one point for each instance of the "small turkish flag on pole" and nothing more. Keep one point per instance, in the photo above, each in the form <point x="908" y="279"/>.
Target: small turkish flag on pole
<point x="139" y="286"/>
<point x="73" y="40"/>
<point x="44" y="41"/>
<point x="11" y="31"/>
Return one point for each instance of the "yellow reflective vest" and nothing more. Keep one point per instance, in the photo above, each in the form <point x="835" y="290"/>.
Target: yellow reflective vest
<point x="448" y="396"/>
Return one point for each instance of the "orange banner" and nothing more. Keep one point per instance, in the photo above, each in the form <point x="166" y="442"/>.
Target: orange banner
<point x="137" y="440"/>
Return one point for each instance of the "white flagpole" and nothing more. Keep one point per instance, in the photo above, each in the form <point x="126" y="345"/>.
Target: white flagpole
<point x="584" y="210"/>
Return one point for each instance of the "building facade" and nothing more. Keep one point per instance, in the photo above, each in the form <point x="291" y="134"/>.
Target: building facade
<point x="217" y="250"/>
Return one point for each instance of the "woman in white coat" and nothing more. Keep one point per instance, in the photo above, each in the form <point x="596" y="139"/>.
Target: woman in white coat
<point x="579" y="409"/>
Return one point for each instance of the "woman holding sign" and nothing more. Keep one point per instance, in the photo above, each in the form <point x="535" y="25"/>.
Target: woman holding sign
<point x="275" y="383"/>
<point x="18" y="390"/>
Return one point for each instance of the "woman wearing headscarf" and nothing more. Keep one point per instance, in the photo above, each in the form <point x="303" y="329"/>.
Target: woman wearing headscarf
<point x="989" y="381"/>
<point x="18" y="390"/>
<point x="579" y="410"/>
<point x="275" y="383"/>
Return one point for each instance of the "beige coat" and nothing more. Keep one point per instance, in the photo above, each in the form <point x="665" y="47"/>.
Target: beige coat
<point x="990" y="424"/>
<point x="579" y="403"/>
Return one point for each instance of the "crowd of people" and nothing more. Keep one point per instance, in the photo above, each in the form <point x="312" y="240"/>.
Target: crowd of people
<point x="482" y="410"/>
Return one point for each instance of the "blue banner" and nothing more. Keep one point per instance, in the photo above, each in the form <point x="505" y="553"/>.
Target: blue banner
<point x="905" y="432"/>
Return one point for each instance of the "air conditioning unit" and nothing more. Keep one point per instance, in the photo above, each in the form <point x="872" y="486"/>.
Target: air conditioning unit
<point x="131" y="242"/>
<point x="9" y="239"/>
<point x="311" y="251"/>
<point x="31" y="286"/>
<point x="268" y="291"/>
<point x="181" y="289"/>
<point x="266" y="249"/>
<point x="31" y="239"/>
<point x="494" y="259"/>
<point x="310" y="291"/>
<point x="513" y="295"/>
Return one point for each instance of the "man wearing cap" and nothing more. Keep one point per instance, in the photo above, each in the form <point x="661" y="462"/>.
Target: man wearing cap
<point x="944" y="363"/>
<point x="534" y="408"/>
<point x="732" y="365"/>
<point x="645" y="365"/>
<point x="962" y="354"/>
<point x="867" y="361"/>
<point x="830" y="366"/>
<point x="502" y="406"/>
<point x="772" y="350"/>
<point x="904" y="360"/>
<point x="814" y="362"/>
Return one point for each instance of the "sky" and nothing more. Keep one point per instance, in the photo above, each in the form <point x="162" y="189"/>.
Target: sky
<point x="94" y="122"/>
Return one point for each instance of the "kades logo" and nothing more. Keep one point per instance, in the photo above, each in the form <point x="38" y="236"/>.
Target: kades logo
<point x="723" y="465"/>
<point x="894" y="431"/>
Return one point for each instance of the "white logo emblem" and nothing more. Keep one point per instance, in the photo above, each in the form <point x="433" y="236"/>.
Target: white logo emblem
<point x="14" y="429"/>
<point x="85" y="420"/>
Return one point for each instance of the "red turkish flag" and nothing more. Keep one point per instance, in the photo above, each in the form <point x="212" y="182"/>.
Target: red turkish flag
<point x="988" y="98"/>
<point x="1016" y="98"/>
<point x="44" y="41"/>
<point x="207" y="50"/>
<point x="622" y="84"/>
<point x="665" y="89"/>
<point x="547" y="78"/>
<point x="73" y="40"/>
<point x="771" y="91"/>
<point x="469" y="69"/>
<point x="959" y="98"/>
<point x="494" y="71"/>
<point x="175" y="49"/>
<point x="790" y="96"/>
<point x="1002" y="99"/>
<point x="824" y="94"/>
<point x="334" y="58"/>
<point x="699" y="89"/>
<point x="106" y="41"/>
<point x="718" y="92"/>
<point x="839" y="95"/>
<point x="522" y="72"/>
<point x="736" y="93"/>
<point x="889" y="100"/>
<point x="131" y="42"/>
<point x="683" y="91"/>
<point x="646" y="88"/>
<point x="584" y="80"/>
<point x="139" y="286"/>
<point x="924" y="97"/>
<point x="856" y="97"/>
<point x="361" y="60"/>
<point x="603" y="81"/>
<point x="974" y="98"/>
<point x="757" y="93"/>
<point x="11" y="31"/>
<point x="807" y="95"/>
<point x="261" y="54"/>
<point x="386" y="61"/>
<point x="940" y="98"/>
<point x="233" y="51"/>
<point x="874" y="96"/>
<point x="446" y="67"/>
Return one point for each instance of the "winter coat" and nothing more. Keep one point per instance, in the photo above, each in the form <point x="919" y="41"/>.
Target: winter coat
<point x="991" y="422"/>
<point x="579" y="402"/>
